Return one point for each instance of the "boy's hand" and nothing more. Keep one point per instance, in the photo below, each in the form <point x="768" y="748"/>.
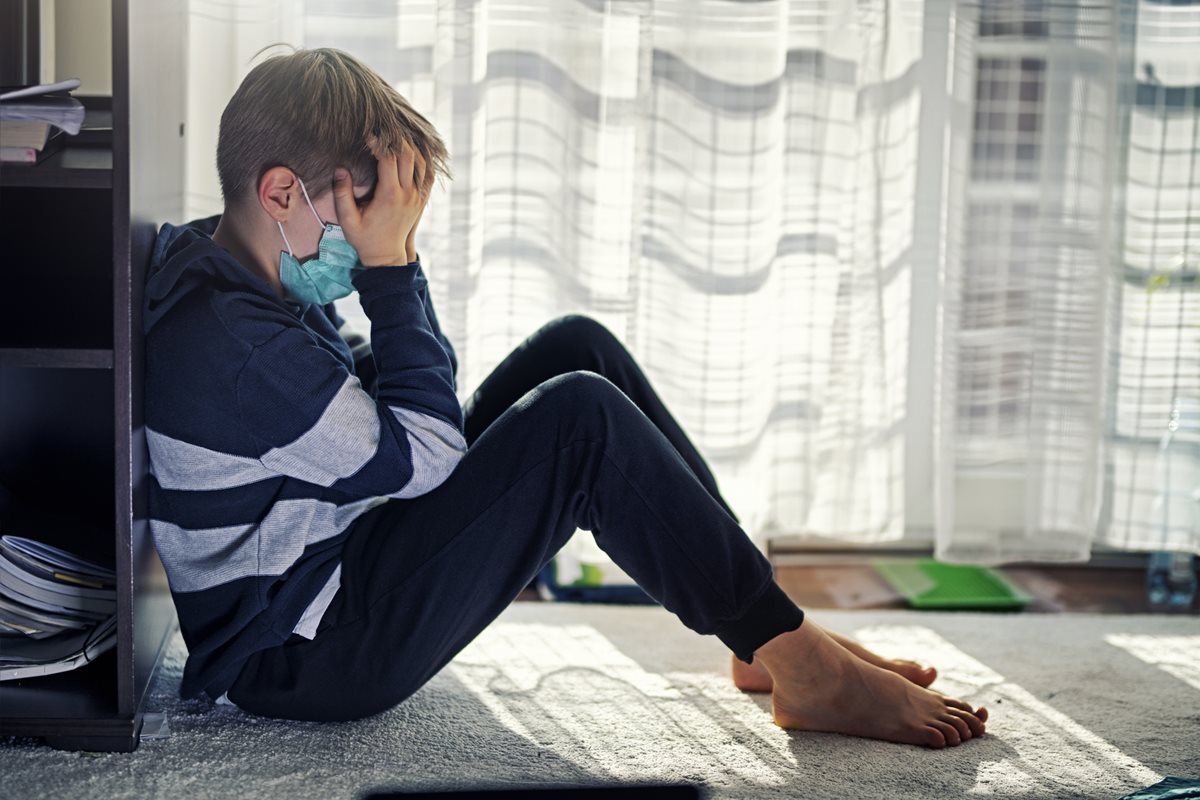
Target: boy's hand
<point x="381" y="230"/>
<point x="419" y="175"/>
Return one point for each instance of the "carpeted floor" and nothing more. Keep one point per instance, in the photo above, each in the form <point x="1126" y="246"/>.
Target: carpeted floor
<point x="552" y="694"/>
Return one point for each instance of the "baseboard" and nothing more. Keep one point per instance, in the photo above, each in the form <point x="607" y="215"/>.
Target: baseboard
<point x="793" y="552"/>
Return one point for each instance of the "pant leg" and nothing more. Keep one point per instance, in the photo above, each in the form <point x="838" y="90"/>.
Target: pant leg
<point x="566" y="345"/>
<point x="422" y="577"/>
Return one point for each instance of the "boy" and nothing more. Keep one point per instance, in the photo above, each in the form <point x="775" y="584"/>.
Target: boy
<point x="335" y="528"/>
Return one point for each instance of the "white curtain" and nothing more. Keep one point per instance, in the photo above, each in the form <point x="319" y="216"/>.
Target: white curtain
<point x="879" y="257"/>
<point x="1155" y="339"/>
<point x="1020" y="429"/>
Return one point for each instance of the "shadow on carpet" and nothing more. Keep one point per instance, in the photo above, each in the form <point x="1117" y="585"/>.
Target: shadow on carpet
<point x="554" y="694"/>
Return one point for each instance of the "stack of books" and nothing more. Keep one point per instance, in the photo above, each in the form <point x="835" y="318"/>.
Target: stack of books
<point x="57" y="611"/>
<point x="32" y="119"/>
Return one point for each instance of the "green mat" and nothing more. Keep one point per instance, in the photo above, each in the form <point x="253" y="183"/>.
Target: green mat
<point x="927" y="583"/>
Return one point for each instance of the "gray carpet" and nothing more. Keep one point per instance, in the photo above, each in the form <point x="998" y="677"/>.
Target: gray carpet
<point x="1082" y="706"/>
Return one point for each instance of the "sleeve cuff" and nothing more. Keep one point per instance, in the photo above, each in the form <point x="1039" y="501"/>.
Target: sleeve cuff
<point x="387" y="279"/>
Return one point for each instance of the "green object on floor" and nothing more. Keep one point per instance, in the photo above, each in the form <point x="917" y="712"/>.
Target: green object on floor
<point x="928" y="583"/>
<point x="590" y="575"/>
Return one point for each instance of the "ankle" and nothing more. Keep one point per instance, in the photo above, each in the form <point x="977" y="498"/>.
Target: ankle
<point x="797" y="656"/>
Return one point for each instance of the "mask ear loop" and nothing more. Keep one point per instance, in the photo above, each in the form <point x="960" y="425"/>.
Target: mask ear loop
<point x="311" y="208"/>
<point x="320" y="221"/>
<point x="285" y="239"/>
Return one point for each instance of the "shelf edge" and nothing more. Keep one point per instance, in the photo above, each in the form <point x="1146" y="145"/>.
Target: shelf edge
<point x="56" y="357"/>
<point x="78" y="167"/>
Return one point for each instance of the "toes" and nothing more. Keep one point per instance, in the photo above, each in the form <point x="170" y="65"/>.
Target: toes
<point x="963" y="706"/>
<point x="950" y="701"/>
<point x="924" y="676"/>
<point x="934" y="738"/>
<point x="948" y="731"/>
<point x="973" y="722"/>
<point x="960" y="724"/>
<point x="979" y="713"/>
<point x="918" y="674"/>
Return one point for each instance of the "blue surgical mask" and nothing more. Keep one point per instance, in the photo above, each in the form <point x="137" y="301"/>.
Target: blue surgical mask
<point x="325" y="278"/>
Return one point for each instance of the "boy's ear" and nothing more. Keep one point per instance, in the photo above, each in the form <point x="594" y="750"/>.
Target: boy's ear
<point x="276" y="189"/>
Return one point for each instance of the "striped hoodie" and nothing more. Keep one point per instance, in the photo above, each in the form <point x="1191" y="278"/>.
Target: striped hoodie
<point x="269" y="433"/>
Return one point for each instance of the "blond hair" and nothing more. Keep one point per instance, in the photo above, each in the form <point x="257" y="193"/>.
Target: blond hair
<point x="313" y="111"/>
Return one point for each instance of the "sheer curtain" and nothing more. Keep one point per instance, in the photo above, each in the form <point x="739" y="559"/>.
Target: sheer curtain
<point x="1070" y="316"/>
<point x="1155" y="337"/>
<point x="881" y="315"/>
<point x="1021" y="418"/>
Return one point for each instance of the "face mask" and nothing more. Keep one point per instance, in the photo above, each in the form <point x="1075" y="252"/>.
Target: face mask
<point x="325" y="278"/>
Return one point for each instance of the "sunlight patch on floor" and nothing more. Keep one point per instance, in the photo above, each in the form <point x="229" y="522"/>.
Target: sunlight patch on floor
<point x="552" y="684"/>
<point x="1175" y="655"/>
<point x="1037" y="734"/>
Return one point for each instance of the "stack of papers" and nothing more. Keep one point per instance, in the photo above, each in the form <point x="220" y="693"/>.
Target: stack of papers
<point x="57" y="611"/>
<point x="30" y="115"/>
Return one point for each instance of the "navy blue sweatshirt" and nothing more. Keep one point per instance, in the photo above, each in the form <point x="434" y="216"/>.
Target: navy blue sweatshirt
<point x="269" y="433"/>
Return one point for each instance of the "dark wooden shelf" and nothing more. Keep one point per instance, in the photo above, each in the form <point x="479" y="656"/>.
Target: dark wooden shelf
<point x="71" y="167"/>
<point x="72" y="710"/>
<point x="87" y="692"/>
<point x="56" y="357"/>
<point x="81" y="227"/>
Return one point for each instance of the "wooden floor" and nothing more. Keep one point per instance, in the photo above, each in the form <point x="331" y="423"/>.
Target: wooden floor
<point x="1096" y="590"/>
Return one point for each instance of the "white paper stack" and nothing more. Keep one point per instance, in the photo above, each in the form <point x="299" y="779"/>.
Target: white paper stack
<point x="31" y="118"/>
<point x="57" y="611"/>
<point x="44" y="103"/>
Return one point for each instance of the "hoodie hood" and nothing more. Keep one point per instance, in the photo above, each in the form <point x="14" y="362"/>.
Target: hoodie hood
<point x="185" y="259"/>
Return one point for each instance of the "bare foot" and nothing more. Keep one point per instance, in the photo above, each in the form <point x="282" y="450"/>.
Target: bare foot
<point x="755" y="678"/>
<point x="819" y="685"/>
<point x="750" y="677"/>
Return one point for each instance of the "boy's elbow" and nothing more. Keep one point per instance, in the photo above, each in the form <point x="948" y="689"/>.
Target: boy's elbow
<point x="430" y="473"/>
<point x="436" y="448"/>
<point x="440" y="472"/>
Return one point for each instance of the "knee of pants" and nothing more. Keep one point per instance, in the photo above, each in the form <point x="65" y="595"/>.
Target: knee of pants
<point x="582" y="399"/>
<point x="586" y="333"/>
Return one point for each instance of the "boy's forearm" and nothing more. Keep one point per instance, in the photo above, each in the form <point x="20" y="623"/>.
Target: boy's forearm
<point x="414" y="369"/>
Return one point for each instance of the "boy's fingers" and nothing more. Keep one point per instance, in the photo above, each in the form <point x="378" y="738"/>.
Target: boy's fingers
<point x="405" y="167"/>
<point x="343" y="199"/>
<point x="385" y="172"/>
<point x="419" y="173"/>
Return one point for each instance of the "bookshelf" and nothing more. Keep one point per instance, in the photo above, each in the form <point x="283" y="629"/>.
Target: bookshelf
<point x="69" y="168"/>
<point x="78" y="232"/>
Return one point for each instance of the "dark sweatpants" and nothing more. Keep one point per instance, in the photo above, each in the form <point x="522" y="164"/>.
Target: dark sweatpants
<point x="565" y="433"/>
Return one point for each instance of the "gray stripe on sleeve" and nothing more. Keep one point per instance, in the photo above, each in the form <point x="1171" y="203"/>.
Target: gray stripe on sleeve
<point x="344" y="439"/>
<point x="437" y="447"/>
<point x="338" y="445"/>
